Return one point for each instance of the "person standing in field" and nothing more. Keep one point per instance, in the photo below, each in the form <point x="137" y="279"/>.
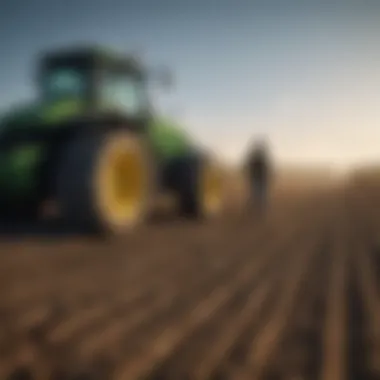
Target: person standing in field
<point x="258" y="168"/>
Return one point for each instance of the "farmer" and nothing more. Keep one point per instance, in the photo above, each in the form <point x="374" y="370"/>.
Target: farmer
<point x="258" y="173"/>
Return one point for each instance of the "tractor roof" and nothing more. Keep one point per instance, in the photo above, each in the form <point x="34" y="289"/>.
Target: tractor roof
<point x="90" y="56"/>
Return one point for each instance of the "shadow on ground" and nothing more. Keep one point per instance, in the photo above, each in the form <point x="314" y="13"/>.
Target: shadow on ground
<point x="11" y="230"/>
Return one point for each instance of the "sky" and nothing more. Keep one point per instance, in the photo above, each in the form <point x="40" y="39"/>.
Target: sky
<point x="303" y="74"/>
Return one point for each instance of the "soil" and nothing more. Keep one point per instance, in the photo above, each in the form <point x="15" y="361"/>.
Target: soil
<point x="293" y="294"/>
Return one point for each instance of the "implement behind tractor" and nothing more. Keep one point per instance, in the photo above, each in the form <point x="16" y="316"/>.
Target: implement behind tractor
<point x="92" y="144"/>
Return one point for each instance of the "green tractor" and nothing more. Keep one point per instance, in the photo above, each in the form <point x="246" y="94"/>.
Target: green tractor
<point x="92" y="145"/>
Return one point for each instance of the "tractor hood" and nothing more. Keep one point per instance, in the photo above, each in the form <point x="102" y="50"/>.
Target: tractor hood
<point x="39" y="113"/>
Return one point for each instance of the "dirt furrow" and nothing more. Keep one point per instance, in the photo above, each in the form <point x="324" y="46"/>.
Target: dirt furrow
<point x="295" y="295"/>
<point x="262" y="348"/>
<point x="194" y="357"/>
<point x="369" y="300"/>
<point x="299" y="354"/>
<point x="136" y="315"/>
<point x="334" y="364"/>
<point x="164" y="343"/>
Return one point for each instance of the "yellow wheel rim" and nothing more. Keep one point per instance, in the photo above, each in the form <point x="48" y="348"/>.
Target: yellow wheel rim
<point x="212" y="189"/>
<point x="122" y="184"/>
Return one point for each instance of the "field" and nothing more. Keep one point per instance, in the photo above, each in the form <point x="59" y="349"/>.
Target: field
<point x="292" y="296"/>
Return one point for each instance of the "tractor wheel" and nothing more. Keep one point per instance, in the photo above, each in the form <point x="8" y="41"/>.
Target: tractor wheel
<point x="202" y="192"/>
<point x="104" y="182"/>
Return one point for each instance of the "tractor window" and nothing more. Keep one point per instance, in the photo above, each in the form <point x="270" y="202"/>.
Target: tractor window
<point x="64" y="82"/>
<point x="124" y="93"/>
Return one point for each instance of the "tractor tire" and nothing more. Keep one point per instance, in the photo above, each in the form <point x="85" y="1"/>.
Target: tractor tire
<point x="201" y="188"/>
<point x="103" y="183"/>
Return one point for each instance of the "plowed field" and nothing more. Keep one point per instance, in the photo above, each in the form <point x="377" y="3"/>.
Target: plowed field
<point x="292" y="296"/>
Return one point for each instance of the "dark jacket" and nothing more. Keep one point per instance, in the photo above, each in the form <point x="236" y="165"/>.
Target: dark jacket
<point x="258" y="166"/>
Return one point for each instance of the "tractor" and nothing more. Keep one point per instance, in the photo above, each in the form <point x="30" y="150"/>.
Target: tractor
<point x="93" y="144"/>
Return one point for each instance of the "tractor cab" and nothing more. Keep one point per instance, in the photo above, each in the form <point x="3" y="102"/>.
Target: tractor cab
<point x="95" y="79"/>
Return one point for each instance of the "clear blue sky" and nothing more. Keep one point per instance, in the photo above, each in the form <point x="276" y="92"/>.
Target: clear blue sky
<point x="304" y="73"/>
